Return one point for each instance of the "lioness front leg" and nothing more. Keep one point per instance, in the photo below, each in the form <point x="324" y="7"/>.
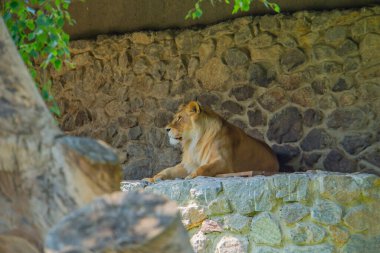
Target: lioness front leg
<point x="177" y="171"/>
<point x="209" y="170"/>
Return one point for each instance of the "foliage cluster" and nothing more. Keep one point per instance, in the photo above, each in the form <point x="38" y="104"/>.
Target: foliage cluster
<point x="238" y="5"/>
<point x="36" y="27"/>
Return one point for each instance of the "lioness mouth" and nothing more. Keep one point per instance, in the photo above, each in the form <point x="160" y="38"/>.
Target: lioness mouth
<point x="178" y="138"/>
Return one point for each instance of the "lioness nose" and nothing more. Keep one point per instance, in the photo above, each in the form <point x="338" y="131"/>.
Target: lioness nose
<point x="167" y="129"/>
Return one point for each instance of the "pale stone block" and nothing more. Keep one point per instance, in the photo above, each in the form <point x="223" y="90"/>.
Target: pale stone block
<point x="266" y="230"/>
<point x="293" y="212"/>
<point x="326" y="212"/>
<point x="307" y="233"/>
<point x="237" y="223"/>
<point x="232" y="244"/>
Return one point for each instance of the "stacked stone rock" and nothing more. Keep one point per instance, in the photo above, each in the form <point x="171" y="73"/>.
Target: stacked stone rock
<point x="288" y="213"/>
<point x="307" y="83"/>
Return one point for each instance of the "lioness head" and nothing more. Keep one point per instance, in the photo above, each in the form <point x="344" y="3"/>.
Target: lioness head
<point x="183" y="122"/>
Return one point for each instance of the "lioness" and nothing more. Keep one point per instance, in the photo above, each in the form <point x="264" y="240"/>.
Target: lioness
<point x="212" y="146"/>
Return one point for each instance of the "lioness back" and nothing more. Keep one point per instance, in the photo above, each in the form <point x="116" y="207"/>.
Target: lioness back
<point x="250" y="153"/>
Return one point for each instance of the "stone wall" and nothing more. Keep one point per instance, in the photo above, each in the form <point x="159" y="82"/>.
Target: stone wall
<point x="308" y="84"/>
<point x="287" y="213"/>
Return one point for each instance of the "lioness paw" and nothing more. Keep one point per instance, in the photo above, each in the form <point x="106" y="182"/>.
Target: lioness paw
<point x="148" y="179"/>
<point x="191" y="176"/>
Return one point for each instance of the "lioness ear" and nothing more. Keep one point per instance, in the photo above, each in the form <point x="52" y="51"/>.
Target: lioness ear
<point x="194" y="107"/>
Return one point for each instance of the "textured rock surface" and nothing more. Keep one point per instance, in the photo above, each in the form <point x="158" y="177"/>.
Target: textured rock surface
<point x="133" y="222"/>
<point x="309" y="80"/>
<point x="293" y="213"/>
<point x="266" y="230"/>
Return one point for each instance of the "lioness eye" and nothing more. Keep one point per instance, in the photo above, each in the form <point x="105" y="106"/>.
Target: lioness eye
<point x="179" y="118"/>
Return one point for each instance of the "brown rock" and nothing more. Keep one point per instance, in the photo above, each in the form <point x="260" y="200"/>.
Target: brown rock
<point x="347" y="99"/>
<point x="235" y="57"/>
<point x="316" y="139"/>
<point x="257" y="74"/>
<point x="323" y="52"/>
<point x="331" y="67"/>
<point x="342" y="84"/>
<point x="140" y="66"/>
<point x="256" y="118"/>
<point x="127" y="122"/>
<point x="269" y="23"/>
<point x="292" y="58"/>
<point x="287" y="41"/>
<point x="162" y="118"/>
<point x="210" y="226"/>
<point x="272" y="53"/>
<point x="81" y="46"/>
<point x="327" y="102"/>
<point x="336" y="161"/>
<point x="242" y="93"/>
<point x="206" y="51"/>
<point x="82" y="117"/>
<point x="83" y="59"/>
<point x="338" y="234"/>
<point x="312" y="117"/>
<point x="262" y="40"/>
<point x="347" y="48"/>
<point x="336" y="34"/>
<point x="161" y="89"/>
<point x="232" y="107"/>
<point x="320" y="86"/>
<point x="188" y="41"/>
<point x="105" y="51"/>
<point x="243" y="35"/>
<point x="290" y="82"/>
<point x="213" y="74"/>
<point x="366" y="25"/>
<point x="351" y="64"/>
<point x="209" y="99"/>
<point x="175" y="69"/>
<point x="347" y="118"/>
<point x="14" y="244"/>
<point x="369" y="73"/>
<point x="142" y="38"/>
<point x="286" y="126"/>
<point x="154" y="52"/>
<point x="304" y="97"/>
<point x="273" y="99"/>
<point x="115" y="108"/>
<point x="223" y="43"/>
<point x="192" y="66"/>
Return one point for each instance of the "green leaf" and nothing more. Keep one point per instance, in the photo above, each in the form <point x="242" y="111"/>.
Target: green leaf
<point x="14" y="4"/>
<point x="236" y="8"/>
<point x="45" y="94"/>
<point x="55" y="110"/>
<point x="30" y="24"/>
<point x="31" y="36"/>
<point x="31" y="10"/>
<point x="276" y="7"/>
<point x="7" y="16"/>
<point x="57" y="64"/>
<point x="198" y="13"/>
<point x="33" y="73"/>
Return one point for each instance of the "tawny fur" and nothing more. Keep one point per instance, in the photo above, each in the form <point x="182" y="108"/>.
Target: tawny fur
<point x="212" y="146"/>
